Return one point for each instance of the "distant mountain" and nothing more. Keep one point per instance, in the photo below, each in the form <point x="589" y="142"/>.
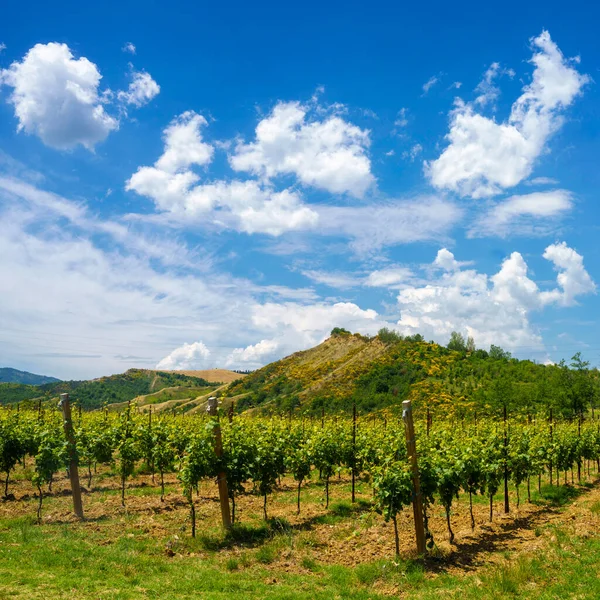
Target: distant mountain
<point x="105" y="390"/>
<point x="8" y="375"/>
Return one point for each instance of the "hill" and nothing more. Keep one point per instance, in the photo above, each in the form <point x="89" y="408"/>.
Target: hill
<point x="105" y="390"/>
<point x="213" y="375"/>
<point x="380" y="372"/>
<point x="8" y="375"/>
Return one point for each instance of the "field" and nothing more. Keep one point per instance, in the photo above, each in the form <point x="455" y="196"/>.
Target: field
<point x="546" y="549"/>
<point x="135" y="544"/>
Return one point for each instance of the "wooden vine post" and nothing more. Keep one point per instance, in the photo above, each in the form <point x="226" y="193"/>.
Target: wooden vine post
<point x="73" y="469"/>
<point x="506" y="500"/>
<point x="411" y="447"/>
<point x="353" y="451"/>
<point x="221" y="476"/>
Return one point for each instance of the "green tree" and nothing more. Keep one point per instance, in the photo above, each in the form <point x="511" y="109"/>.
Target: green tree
<point x="457" y="342"/>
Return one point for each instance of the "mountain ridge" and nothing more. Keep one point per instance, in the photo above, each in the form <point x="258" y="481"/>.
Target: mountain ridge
<point x="10" y="375"/>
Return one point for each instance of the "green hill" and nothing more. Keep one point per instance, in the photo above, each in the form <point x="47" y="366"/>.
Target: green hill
<point x="380" y="372"/>
<point x="8" y="375"/>
<point x="105" y="390"/>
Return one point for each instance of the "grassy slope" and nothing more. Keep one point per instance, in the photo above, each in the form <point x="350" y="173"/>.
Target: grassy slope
<point x="112" y="389"/>
<point x="377" y="375"/>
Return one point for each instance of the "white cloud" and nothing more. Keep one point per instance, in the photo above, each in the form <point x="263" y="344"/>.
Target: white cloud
<point x="402" y="118"/>
<point x="56" y="97"/>
<point x="413" y="152"/>
<point x="2" y="47"/>
<point x="572" y="277"/>
<point x="530" y="214"/>
<point x="253" y="355"/>
<point x="401" y="222"/>
<point x="330" y="154"/>
<point x="333" y="279"/>
<point x="390" y="277"/>
<point x="456" y="85"/>
<point x="141" y="90"/>
<point x="124" y="294"/>
<point x="484" y="157"/>
<point x="186" y="358"/>
<point x="247" y="206"/>
<point x="129" y="48"/>
<point x="301" y="326"/>
<point x="496" y="309"/>
<point x="488" y="90"/>
<point x="445" y="260"/>
<point x="542" y="181"/>
<point x="430" y="83"/>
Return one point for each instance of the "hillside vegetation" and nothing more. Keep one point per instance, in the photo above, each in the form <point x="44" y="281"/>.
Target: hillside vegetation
<point x="382" y="371"/>
<point x="105" y="390"/>
<point x="8" y="375"/>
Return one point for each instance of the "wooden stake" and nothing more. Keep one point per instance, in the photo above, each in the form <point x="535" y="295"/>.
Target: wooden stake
<point x="353" y="451"/>
<point x="411" y="447"/>
<point x="221" y="477"/>
<point x="73" y="470"/>
<point x="506" y="502"/>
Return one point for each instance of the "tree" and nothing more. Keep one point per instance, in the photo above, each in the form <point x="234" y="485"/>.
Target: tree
<point x="496" y="353"/>
<point x="389" y="336"/>
<point x="471" y="344"/>
<point x="339" y="331"/>
<point x="457" y="342"/>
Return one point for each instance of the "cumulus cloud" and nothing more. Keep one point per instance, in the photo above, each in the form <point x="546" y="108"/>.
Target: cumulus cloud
<point x="2" y="47"/>
<point x="248" y="206"/>
<point x="253" y="355"/>
<point x="445" y="260"/>
<point x="530" y="214"/>
<point x="572" y="277"/>
<point x="57" y="97"/>
<point x="187" y="357"/>
<point x="329" y="154"/>
<point x="141" y="90"/>
<point x="493" y="310"/>
<point x="129" y="48"/>
<point x="485" y="157"/>
<point x="301" y="326"/>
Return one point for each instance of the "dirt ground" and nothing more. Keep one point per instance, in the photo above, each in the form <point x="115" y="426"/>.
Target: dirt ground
<point x="344" y="535"/>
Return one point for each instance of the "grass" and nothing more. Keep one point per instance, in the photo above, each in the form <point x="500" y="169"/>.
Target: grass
<point x="136" y="553"/>
<point x="61" y="561"/>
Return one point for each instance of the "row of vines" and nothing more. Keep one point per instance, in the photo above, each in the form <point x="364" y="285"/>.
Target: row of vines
<point x="471" y="459"/>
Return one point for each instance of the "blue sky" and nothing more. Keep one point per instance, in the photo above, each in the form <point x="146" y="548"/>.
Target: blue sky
<point x="196" y="187"/>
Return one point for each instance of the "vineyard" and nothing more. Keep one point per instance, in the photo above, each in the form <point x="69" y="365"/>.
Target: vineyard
<point x="455" y="457"/>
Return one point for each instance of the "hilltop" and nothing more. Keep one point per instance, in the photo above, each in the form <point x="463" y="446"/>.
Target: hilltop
<point x="116" y="389"/>
<point x="8" y="375"/>
<point x="380" y="372"/>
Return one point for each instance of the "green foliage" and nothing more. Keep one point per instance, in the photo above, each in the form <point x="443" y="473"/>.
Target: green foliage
<point x="106" y="390"/>
<point x="457" y="342"/>
<point x="389" y="336"/>
<point x="340" y="331"/>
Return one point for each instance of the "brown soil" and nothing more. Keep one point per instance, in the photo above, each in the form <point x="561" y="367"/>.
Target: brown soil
<point x="359" y="537"/>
